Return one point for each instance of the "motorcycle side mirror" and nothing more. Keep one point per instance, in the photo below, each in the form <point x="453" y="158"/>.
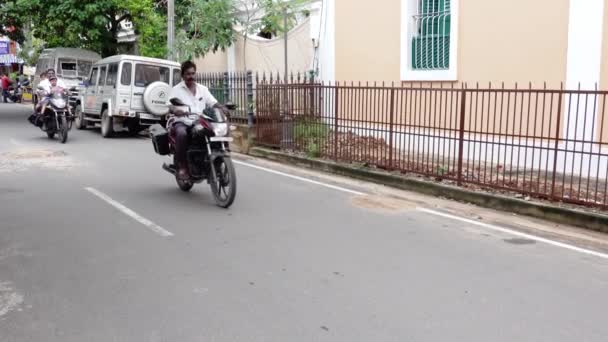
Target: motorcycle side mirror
<point x="230" y="106"/>
<point x="25" y="83"/>
<point x="39" y="88"/>
<point x="177" y="102"/>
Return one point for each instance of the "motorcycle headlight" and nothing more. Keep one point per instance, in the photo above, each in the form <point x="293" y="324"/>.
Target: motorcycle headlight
<point x="220" y="129"/>
<point x="59" y="103"/>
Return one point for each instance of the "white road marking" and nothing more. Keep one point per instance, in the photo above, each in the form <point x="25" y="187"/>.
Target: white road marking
<point x="436" y="213"/>
<point x="300" y="178"/>
<point x="149" y="224"/>
<point x="516" y="233"/>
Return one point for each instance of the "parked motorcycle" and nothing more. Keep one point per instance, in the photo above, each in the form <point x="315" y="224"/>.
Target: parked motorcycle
<point x="57" y="117"/>
<point x="16" y="94"/>
<point x="208" y="152"/>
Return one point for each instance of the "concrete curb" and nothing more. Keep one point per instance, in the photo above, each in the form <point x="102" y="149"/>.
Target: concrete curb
<point x="592" y="221"/>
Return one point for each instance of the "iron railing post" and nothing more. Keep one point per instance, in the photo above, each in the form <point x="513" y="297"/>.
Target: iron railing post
<point x="226" y="87"/>
<point x="336" y="101"/>
<point x="390" y="130"/>
<point x="250" y="113"/>
<point x="463" y="98"/>
<point x="557" y="137"/>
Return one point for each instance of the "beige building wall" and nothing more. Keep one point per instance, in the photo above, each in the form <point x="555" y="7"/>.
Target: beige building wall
<point x="368" y="40"/>
<point x="511" y="41"/>
<point x="498" y="41"/>
<point x="266" y="55"/>
<point x="212" y="62"/>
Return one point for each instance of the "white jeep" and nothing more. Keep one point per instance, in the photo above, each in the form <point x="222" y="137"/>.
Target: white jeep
<point x="126" y="92"/>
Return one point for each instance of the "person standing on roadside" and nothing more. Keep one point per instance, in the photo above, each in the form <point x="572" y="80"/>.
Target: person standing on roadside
<point x="5" y="82"/>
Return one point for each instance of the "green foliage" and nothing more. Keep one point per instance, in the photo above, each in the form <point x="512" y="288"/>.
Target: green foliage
<point x="92" y="25"/>
<point x="276" y="12"/>
<point x="204" y="26"/>
<point x="442" y="170"/>
<point x="312" y="134"/>
<point x="30" y="48"/>
<point x="150" y="26"/>
<point x="12" y="19"/>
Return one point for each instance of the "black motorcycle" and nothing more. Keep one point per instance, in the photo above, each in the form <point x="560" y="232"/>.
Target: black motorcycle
<point x="57" y="117"/>
<point x="208" y="152"/>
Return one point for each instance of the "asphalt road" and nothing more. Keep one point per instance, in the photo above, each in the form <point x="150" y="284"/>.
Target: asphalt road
<point x="295" y="259"/>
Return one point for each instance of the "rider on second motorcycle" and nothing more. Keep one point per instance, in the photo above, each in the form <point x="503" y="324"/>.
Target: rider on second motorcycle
<point x="197" y="97"/>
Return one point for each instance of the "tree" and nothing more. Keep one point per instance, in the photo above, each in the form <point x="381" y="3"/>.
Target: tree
<point x="204" y="26"/>
<point x="248" y="21"/>
<point x="92" y="25"/>
<point x="266" y="18"/>
<point x="31" y="47"/>
<point x="276" y="12"/>
<point x="11" y="20"/>
<point x="150" y="26"/>
<point x="210" y="25"/>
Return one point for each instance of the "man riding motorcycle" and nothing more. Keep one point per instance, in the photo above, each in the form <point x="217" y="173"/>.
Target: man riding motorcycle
<point x="54" y="87"/>
<point x="47" y="87"/>
<point x="46" y="83"/>
<point x="198" y="98"/>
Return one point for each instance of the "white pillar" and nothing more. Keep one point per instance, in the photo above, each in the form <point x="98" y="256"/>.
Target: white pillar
<point x="585" y="36"/>
<point x="327" y="43"/>
<point x="231" y="58"/>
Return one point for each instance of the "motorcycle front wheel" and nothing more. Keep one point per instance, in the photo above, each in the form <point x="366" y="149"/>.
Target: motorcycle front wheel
<point x="63" y="130"/>
<point x="223" y="181"/>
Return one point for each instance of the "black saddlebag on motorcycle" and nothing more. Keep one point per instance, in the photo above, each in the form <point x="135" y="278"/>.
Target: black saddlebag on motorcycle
<point x="35" y="120"/>
<point x="160" y="139"/>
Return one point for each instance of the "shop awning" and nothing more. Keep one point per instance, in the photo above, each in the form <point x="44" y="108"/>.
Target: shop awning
<point x="10" y="59"/>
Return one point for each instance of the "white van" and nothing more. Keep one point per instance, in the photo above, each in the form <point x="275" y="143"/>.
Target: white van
<point x="126" y="92"/>
<point x="71" y="65"/>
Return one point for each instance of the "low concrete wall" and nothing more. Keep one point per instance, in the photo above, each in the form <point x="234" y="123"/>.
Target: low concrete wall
<point x="243" y="138"/>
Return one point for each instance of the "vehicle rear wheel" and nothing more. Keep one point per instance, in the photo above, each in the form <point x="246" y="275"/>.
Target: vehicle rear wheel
<point x="107" y="124"/>
<point x="223" y="181"/>
<point x="80" y="121"/>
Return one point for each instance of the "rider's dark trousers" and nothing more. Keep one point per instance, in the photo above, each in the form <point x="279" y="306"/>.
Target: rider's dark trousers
<point x="181" y="144"/>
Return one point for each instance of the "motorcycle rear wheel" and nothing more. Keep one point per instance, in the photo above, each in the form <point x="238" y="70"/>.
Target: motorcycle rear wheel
<point x="223" y="181"/>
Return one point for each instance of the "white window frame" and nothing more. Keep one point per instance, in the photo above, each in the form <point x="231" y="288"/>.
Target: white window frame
<point x="408" y="10"/>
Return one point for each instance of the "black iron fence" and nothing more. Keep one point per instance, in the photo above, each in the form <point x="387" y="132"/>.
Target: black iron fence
<point x="546" y="143"/>
<point x="240" y="88"/>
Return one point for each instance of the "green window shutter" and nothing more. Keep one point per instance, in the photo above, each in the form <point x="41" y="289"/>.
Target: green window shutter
<point x="431" y="44"/>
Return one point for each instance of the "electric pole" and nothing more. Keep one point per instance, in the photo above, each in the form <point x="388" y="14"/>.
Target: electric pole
<point x="170" y="29"/>
<point x="287" y="139"/>
<point x="285" y="33"/>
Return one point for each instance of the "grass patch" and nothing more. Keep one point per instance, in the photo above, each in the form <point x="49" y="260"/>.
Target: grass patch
<point x="311" y="135"/>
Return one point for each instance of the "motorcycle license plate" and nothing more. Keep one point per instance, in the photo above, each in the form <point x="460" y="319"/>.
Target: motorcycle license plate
<point x="224" y="139"/>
